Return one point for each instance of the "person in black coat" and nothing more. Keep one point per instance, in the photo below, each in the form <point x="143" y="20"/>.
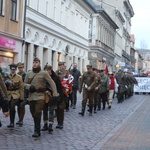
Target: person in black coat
<point x="76" y="74"/>
<point x="54" y="105"/>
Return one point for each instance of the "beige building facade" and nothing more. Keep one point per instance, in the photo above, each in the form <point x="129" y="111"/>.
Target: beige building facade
<point x="11" y="32"/>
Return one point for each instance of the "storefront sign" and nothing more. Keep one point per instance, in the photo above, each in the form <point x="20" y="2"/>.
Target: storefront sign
<point x="143" y="84"/>
<point x="7" y="43"/>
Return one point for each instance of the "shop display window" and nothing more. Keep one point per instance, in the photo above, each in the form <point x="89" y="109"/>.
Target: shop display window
<point x="5" y="62"/>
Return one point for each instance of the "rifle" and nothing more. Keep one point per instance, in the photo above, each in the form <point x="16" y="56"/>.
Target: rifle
<point x="70" y="67"/>
<point x="45" y="66"/>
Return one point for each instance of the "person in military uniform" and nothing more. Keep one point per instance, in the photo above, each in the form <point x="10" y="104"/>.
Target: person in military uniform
<point x="3" y="98"/>
<point x="121" y="81"/>
<point x="61" y="66"/>
<point x="21" y="108"/>
<point x="53" y="104"/>
<point x="104" y="90"/>
<point x="87" y="83"/>
<point x="15" y="89"/>
<point x="96" y="88"/>
<point x="35" y="82"/>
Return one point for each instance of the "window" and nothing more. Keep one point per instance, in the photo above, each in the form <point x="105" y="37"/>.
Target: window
<point x="14" y="9"/>
<point x="1" y="7"/>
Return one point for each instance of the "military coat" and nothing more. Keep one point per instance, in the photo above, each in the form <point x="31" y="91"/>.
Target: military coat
<point x="38" y="80"/>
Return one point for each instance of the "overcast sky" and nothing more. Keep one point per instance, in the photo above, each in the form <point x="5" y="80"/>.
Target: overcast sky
<point x="141" y="23"/>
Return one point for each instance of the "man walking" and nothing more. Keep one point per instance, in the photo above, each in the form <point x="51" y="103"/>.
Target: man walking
<point x="35" y="82"/>
<point x="87" y="82"/>
<point x="76" y="74"/>
<point x="104" y="90"/>
<point x="15" y="89"/>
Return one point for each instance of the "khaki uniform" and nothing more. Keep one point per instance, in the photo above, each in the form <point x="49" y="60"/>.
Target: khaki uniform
<point x="98" y="84"/>
<point x="87" y="81"/>
<point x="3" y="88"/>
<point x="36" y="98"/>
<point x="39" y="82"/>
<point x="15" y="94"/>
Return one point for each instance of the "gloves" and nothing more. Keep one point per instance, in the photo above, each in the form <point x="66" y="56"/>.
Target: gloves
<point x="24" y="102"/>
<point x="32" y="88"/>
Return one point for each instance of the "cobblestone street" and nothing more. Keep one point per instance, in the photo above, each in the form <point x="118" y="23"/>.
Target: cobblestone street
<point x="79" y="133"/>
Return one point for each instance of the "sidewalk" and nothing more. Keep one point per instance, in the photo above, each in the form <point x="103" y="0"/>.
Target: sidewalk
<point x="135" y="133"/>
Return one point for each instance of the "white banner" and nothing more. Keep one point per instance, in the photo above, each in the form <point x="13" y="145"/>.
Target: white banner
<point x="143" y="84"/>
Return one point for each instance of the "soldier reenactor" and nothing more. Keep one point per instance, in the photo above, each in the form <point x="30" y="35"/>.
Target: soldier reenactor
<point x="53" y="104"/>
<point x="87" y="83"/>
<point x="120" y="78"/>
<point x="104" y="90"/>
<point x="3" y="98"/>
<point x="15" y="89"/>
<point x="35" y="82"/>
<point x="61" y="66"/>
<point x="96" y="88"/>
<point x="21" y="108"/>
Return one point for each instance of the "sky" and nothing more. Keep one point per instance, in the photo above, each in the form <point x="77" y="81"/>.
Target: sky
<point x="141" y="23"/>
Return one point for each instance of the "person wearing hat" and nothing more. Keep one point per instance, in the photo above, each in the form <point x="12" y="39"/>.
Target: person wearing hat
<point x="104" y="90"/>
<point x="53" y="104"/>
<point x="96" y="88"/>
<point x="61" y="66"/>
<point x="35" y="81"/>
<point x="87" y="83"/>
<point x="15" y="92"/>
<point x="121" y="81"/>
<point x="21" y="106"/>
<point x="3" y="98"/>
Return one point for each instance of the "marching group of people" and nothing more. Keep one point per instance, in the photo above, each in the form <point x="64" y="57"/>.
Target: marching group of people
<point x="49" y="93"/>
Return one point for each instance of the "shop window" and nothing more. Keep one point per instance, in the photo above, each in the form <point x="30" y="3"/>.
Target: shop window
<point x="14" y="9"/>
<point x="5" y="62"/>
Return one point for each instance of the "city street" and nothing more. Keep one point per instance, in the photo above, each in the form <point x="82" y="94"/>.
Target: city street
<point x="79" y="133"/>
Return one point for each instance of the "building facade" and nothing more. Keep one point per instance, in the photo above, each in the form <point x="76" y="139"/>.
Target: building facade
<point x="102" y="38"/>
<point x="11" y="31"/>
<point x="121" y="13"/>
<point x="57" y="30"/>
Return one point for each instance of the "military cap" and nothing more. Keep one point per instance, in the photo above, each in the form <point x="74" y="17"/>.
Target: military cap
<point x="36" y="59"/>
<point x="61" y="63"/>
<point x="13" y="66"/>
<point x="101" y="70"/>
<point x="89" y="66"/>
<point x="60" y="72"/>
<point x="20" y="65"/>
<point x="49" y="67"/>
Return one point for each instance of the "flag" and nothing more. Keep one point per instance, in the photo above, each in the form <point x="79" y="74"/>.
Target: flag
<point x="106" y="69"/>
